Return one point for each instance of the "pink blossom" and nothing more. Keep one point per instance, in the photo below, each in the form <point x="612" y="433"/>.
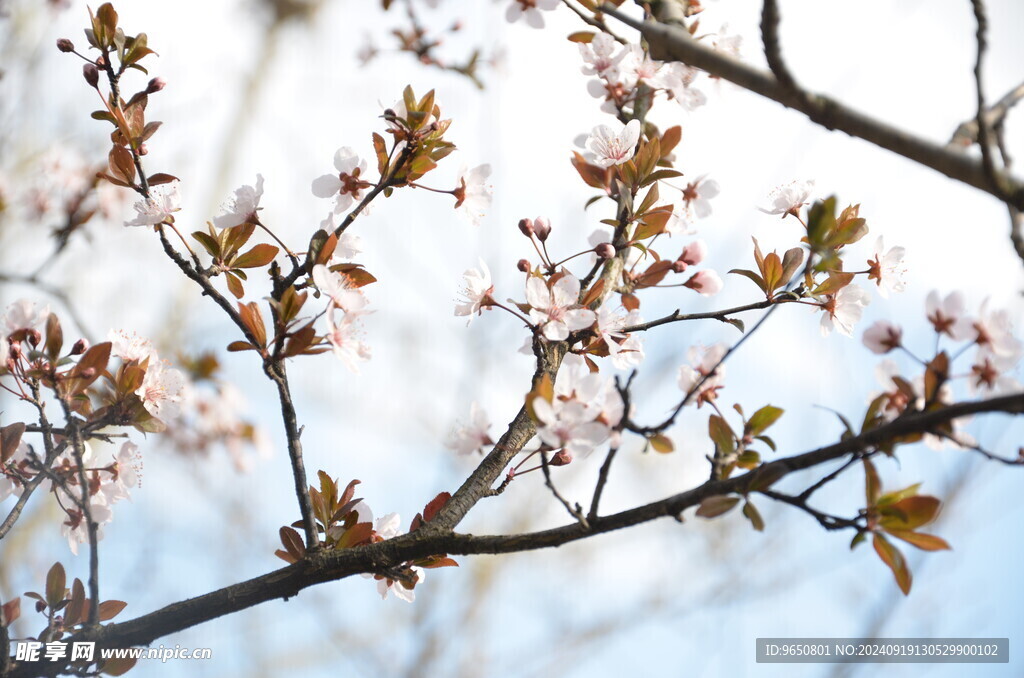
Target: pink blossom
<point x="706" y="283"/>
<point x="472" y="437"/>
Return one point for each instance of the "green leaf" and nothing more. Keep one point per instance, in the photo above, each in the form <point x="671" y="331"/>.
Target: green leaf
<point x="762" y="420"/>
<point x="754" y="516"/>
<point x="56" y="581"/>
<point x="722" y="435"/>
<point x="661" y="443"/>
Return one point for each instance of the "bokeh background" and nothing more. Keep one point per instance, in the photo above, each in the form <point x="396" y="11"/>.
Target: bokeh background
<point x="276" y="88"/>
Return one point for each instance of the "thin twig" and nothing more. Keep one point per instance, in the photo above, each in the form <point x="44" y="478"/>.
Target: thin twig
<point x="576" y="511"/>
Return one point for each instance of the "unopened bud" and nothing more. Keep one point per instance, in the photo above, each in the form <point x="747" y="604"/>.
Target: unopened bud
<point x="33" y="337"/>
<point x="15" y="350"/>
<point x="155" y="85"/>
<point x="678" y="266"/>
<point x="605" y="250"/>
<point x="101" y="62"/>
<point x="65" y="45"/>
<point x="143" y="149"/>
<point x="80" y="347"/>
<point x="523" y="266"/>
<point x="542" y="228"/>
<point x="526" y="226"/>
<point x="92" y="75"/>
<point x="560" y="458"/>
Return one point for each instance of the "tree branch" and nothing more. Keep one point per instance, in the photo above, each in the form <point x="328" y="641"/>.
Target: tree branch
<point x="324" y="566"/>
<point x="672" y="43"/>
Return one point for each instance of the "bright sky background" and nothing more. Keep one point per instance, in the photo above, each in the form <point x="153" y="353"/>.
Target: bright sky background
<point x="690" y="599"/>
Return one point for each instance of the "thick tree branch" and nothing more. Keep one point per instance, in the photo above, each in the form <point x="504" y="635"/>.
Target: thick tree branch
<point x="672" y="43"/>
<point x="324" y="566"/>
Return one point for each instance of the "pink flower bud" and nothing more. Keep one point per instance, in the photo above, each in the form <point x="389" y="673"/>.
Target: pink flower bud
<point x="143" y="149"/>
<point x="524" y="266"/>
<point x="526" y="226"/>
<point x="101" y="62"/>
<point x="694" y="253"/>
<point x="560" y="458"/>
<point x="65" y="45"/>
<point x="92" y="75"/>
<point x="80" y="347"/>
<point x="15" y="350"/>
<point x="155" y="85"/>
<point x="542" y="228"/>
<point x="605" y="250"/>
<point x="705" y="283"/>
<point x="679" y="266"/>
<point x="33" y="337"/>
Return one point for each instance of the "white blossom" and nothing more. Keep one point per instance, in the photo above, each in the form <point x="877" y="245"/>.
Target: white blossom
<point x="476" y="291"/>
<point x="243" y="206"/>
<point x="613" y="148"/>
<point x="162" y="203"/>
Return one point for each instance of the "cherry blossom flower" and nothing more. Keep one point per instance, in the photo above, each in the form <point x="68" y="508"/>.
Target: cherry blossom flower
<point x="613" y="148"/>
<point x="388" y="527"/>
<point x="158" y="208"/>
<point x="705" y="283"/>
<point x="569" y="425"/>
<point x="339" y="288"/>
<point x="344" y="339"/>
<point x="987" y="376"/>
<point x="130" y="347"/>
<point x="641" y="67"/>
<point x="477" y="290"/>
<point x="843" y="309"/>
<point x="883" y="337"/>
<point x="349" y="244"/>
<point x="679" y="222"/>
<point x="575" y="381"/>
<point x="473" y="194"/>
<point x="530" y="10"/>
<point x="10" y="482"/>
<point x="243" y="206"/>
<point x="600" y="57"/>
<point x="609" y="327"/>
<point x="161" y="390"/>
<point x="694" y="253"/>
<point x="698" y="195"/>
<point x="630" y="353"/>
<point x="725" y="42"/>
<point x="75" y="527"/>
<point x="551" y="308"/>
<point x="123" y="474"/>
<point x="995" y="336"/>
<point x="677" y="78"/>
<point x="704" y="365"/>
<point x="948" y="316"/>
<point x="887" y="269"/>
<point x="347" y="185"/>
<point x="25" y="315"/>
<point x="789" y="198"/>
<point x="472" y="437"/>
